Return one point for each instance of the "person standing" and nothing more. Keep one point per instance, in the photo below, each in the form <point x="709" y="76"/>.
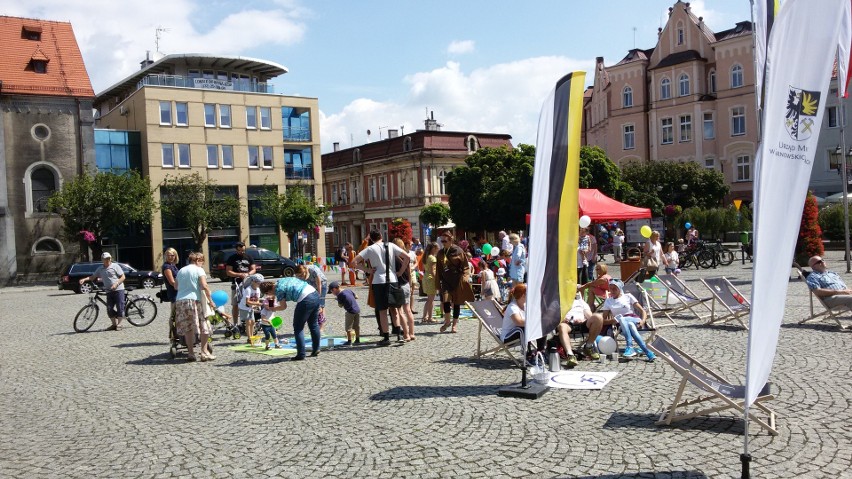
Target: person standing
<point x="453" y="280"/>
<point x="113" y="278"/>
<point x="653" y="250"/>
<point x="582" y="255"/>
<point x="383" y="272"/>
<point x="591" y="256"/>
<point x="238" y="266"/>
<point x="170" y="272"/>
<point x="518" y="263"/>
<point x="342" y="262"/>
<point x="505" y="244"/>
<point x="429" y="280"/>
<point x="192" y="292"/>
<point x="617" y="242"/>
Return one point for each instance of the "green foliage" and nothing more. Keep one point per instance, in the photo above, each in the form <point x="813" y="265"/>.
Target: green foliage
<point x="810" y="236"/>
<point x="436" y="214"/>
<point x="493" y="190"/>
<point x="659" y="183"/>
<point x="400" y="228"/>
<point x="598" y="171"/>
<point x="198" y="204"/>
<point x="831" y="222"/>
<point x="103" y="203"/>
<point x="293" y="210"/>
<point x="713" y="223"/>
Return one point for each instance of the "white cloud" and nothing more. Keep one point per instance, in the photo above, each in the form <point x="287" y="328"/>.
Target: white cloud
<point x="115" y="35"/>
<point x="460" y="47"/>
<point x="502" y="98"/>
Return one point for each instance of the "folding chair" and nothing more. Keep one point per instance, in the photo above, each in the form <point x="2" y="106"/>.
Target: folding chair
<point x="719" y="394"/>
<point x="732" y="304"/>
<point x="490" y="316"/>
<point x="683" y="297"/>
<point x="828" y="313"/>
<point x="649" y="303"/>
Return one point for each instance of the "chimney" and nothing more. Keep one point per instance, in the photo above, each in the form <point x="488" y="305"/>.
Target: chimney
<point x="336" y="146"/>
<point x="393" y="133"/>
<point x="147" y="61"/>
<point x="431" y="124"/>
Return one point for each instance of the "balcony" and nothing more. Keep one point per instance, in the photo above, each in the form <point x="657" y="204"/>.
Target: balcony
<point x="298" y="172"/>
<point x="297" y="133"/>
<point x="206" y="83"/>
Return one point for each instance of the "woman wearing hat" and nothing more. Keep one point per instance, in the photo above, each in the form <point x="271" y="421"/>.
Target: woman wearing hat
<point x="626" y="310"/>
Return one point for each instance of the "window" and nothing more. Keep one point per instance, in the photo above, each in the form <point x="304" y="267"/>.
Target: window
<point x="251" y="117"/>
<point x="181" y="112"/>
<point x="333" y="197"/>
<point x="472" y="144"/>
<point x="212" y="156"/>
<point x="39" y="66"/>
<point x="298" y="164"/>
<point x="685" y="128"/>
<point x="296" y="123"/>
<point x="442" y="185"/>
<point x="736" y="76"/>
<point x="165" y="113"/>
<point x="344" y="197"/>
<point x="117" y="151"/>
<point x="42" y="185"/>
<point x="406" y="144"/>
<point x="629" y="137"/>
<point x="833" y="160"/>
<point x="225" y="116"/>
<point x="227" y="156"/>
<point x="709" y="127"/>
<point x="627" y="97"/>
<point x="267" y="157"/>
<point x="383" y="186"/>
<point x="168" y="156"/>
<point x="738" y="121"/>
<point x="209" y="114"/>
<point x="183" y="156"/>
<point x="265" y="118"/>
<point x="710" y="163"/>
<point x="711" y="87"/>
<point x="667" y="136"/>
<point x="680" y="34"/>
<point x="743" y="168"/>
<point x="372" y="189"/>
<point x="665" y="89"/>
<point x="253" y="154"/>
<point x="831" y="114"/>
<point x="683" y="84"/>
<point x="47" y="246"/>
<point x="355" y="190"/>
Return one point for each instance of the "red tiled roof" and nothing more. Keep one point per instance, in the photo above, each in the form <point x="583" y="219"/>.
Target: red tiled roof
<point x="66" y="73"/>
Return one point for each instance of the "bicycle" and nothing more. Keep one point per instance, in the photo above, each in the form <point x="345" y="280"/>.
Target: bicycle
<point x="139" y="310"/>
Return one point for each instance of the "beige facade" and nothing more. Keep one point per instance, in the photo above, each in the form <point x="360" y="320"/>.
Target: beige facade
<point x="690" y="98"/>
<point x="371" y="185"/>
<point x="224" y="123"/>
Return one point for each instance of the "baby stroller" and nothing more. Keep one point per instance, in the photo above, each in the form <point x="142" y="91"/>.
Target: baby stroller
<point x="178" y="343"/>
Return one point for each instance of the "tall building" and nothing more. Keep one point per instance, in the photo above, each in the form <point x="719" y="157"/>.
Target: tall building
<point x="371" y="185"/>
<point x="689" y="98"/>
<point x="46" y="138"/>
<point x="219" y="116"/>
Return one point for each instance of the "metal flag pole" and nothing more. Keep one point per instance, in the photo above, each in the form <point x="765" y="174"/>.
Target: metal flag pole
<point x="844" y="174"/>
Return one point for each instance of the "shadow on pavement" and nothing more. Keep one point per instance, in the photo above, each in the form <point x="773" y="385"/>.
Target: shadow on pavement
<point x="484" y="363"/>
<point x="161" y="359"/>
<point x="140" y="345"/>
<point x="725" y="425"/>
<point x="647" y="475"/>
<point x="426" y="392"/>
<point x="827" y="327"/>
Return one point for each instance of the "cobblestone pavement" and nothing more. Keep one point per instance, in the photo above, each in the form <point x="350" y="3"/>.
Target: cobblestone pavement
<point x="114" y="404"/>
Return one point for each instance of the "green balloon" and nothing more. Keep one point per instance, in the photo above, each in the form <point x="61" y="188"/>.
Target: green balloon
<point x="486" y="248"/>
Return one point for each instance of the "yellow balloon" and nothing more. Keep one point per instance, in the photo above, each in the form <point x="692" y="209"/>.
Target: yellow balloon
<point x="645" y="231"/>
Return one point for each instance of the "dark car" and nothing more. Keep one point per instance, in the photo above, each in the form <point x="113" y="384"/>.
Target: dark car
<point x="70" y="278"/>
<point x="268" y="263"/>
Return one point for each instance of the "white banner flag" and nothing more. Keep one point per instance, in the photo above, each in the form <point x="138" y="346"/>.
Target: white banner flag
<point x="801" y="51"/>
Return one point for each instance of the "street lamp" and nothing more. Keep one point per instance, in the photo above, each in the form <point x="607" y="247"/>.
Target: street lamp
<point x="839" y="158"/>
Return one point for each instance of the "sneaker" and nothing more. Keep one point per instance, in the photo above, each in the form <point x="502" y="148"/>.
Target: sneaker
<point x="348" y="343"/>
<point x="650" y="357"/>
<point x="629" y="353"/>
<point x="384" y="342"/>
<point x="266" y="345"/>
<point x="589" y="352"/>
<point x="278" y="346"/>
<point x="357" y="341"/>
<point x="314" y="354"/>
<point x="571" y="362"/>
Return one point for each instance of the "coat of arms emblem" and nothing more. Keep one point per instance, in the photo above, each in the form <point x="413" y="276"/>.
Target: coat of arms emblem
<point x="802" y="107"/>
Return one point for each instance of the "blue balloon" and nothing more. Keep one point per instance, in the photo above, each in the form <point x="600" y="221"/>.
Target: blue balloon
<point x="688" y="225"/>
<point x="220" y="298"/>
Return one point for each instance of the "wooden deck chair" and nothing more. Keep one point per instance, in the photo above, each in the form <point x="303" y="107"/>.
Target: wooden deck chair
<point x="682" y="298"/>
<point x="718" y="394"/>
<point x="826" y="313"/>
<point x="649" y="304"/>
<point x="732" y="305"/>
<point x="490" y="315"/>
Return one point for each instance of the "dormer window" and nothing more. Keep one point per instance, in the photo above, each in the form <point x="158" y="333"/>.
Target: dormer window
<point x="31" y="32"/>
<point x="39" y="66"/>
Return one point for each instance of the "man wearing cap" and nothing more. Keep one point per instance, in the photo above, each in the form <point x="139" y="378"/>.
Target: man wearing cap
<point x="113" y="278"/>
<point x="238" y="266"/>
<point x="828" y="285"/>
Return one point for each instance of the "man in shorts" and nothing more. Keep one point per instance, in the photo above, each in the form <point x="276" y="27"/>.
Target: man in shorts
<point x="372" y="259"/>
<point x="579" y="315"/>
<point x="238" y="267"/>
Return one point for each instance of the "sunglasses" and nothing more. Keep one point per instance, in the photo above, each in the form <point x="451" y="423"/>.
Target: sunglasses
<point x="819" y="262"/>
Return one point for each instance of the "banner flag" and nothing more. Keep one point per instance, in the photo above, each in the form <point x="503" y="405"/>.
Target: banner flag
<point x="764" y="13"/>
<point x="844" y="63"/>
<point x="552" y="273"/>
<point x="799" y="62"/>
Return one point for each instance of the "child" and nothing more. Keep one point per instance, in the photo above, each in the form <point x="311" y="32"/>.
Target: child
<point x="670" y="259"/>
<point x="218" y="315"/>
<point x="250" y="303"/>
<point x="347" y="299"/>
<point x="267" y="311"/>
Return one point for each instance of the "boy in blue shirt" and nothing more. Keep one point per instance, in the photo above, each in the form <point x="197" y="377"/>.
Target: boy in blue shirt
<point x="347" y="300"/>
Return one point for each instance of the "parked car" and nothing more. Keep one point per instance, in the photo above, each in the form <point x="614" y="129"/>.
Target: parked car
<point x="70" y="278"/>
<point x="268" y="263"/>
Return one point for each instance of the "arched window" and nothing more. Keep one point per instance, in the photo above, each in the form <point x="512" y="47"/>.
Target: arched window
<point x="681" y="35"/>
<point x="356" y="155"/>
<point x="665" y="89"/>
<point x="683" y="84"/>
<point x="472" y="144"/>
<point x="47" y="245"/>
<point x="627" y="97"/>
<point x="442" y="185"/>
<point x="41" y="180"/>
<point x="736" y="76"/>
<point x="711" y="82"/>
<point x="406" y="144"/>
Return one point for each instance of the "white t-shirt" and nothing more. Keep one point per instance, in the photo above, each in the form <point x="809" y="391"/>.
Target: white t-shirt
<point x="655" y="250"/>
<point x="671" y="259"/>
<point x="505" y="244"/>
<point x="577" y="313"/>
<point x="375" y="254"/>
<point x="249" y="293"/>
<point x="508" y="324"/>
<point x="265" y="314"/>
<point x="620" y="305"/>
<point x="617" y="240"/>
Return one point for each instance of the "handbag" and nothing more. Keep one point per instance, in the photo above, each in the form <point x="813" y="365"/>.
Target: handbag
<point x="396" y="296"/>
<point x="651" y="263"/>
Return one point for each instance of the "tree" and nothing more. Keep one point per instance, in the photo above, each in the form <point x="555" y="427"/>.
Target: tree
<point x="831" y="222"/>
<point x="400" y="228"/>
<point x="436" y="214"/>
<point x="598" y="171"/>
<point x="493" y="189"/>
<point x="809" y="242"/>
<point x="101" y="204"/>
<point x="199" y="205"/>
<point x="293" y="210"/>
<point x="659" y="183"/>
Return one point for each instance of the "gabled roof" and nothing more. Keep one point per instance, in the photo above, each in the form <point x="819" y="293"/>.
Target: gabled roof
<point x="742" y="29"/>
<point x="678" y="58"/>
<point x="635" y="55"/>
<point x="66" y="72"/>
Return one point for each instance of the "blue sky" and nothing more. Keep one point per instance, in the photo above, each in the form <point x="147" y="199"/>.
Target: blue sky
<point x="479" y="65"/>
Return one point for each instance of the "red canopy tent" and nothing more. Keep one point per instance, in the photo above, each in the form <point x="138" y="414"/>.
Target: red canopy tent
<point x="601" y="208"/>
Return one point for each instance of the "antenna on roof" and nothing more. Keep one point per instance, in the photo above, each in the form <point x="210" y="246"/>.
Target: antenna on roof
<point x="158" y="34"/>
<point x="634" y="38"/>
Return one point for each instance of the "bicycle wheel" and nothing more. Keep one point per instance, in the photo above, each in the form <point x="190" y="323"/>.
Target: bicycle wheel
<point x="706" y="259"/>
<point x="140" y="311"/>
<point x="685" y="261"/>
<point x="726" y="257"/>
<point x="86" y="318"/>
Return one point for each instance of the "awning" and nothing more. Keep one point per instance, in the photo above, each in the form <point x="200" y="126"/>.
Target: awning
<point x="601" y="208"/>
